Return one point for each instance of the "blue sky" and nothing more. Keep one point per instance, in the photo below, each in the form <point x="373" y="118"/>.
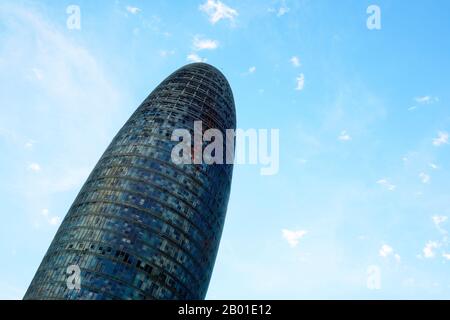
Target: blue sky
<point x="364" y="154"/>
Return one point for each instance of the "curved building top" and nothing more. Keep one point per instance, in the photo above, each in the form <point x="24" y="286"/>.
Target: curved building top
<point x="205" y="84"/>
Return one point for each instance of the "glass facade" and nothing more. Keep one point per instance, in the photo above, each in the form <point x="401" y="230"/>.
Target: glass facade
<point x="143" y="227"/>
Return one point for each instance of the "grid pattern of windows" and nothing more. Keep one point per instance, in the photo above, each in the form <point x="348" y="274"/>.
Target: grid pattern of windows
<point x="143" y="227"/>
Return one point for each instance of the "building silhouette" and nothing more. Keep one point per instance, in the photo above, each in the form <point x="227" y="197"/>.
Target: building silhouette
<point x="143" y="227"/>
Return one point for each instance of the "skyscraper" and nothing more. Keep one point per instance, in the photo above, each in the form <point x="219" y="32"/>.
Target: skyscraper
<point x="142" y="226"/>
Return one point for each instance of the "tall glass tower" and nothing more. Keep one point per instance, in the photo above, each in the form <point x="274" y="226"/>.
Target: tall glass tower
<point x="143" y="227"/>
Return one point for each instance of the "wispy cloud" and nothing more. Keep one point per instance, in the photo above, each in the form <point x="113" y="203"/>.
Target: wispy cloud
<point x="441" y="139"/>
<point x="386" y="184"/>
<point x="344" y="136"/>
<point x="201" y="43"/>
<point x="29" y="144"/>
<point x="217" y="10"/>
<point x="35" y="167"/>
<point x="433" y="166"/>
<point x="387" y="251"/>
<point x="295" y="61"/>
<point x="166" y="53"/>
<point x="283" y="9"/>
<point x="425" y="178"/>
<point x="426" y="100"/>
<point x="193" y="57"/>
<point x="293" y="237"/>
<point x="133" y="10"/>
<point x="251" y="70"/>
<point x="78" y="102"/>
<point x="438" y="222"/>
<point x="428" y="250"/>
<point x="50" y="219"/>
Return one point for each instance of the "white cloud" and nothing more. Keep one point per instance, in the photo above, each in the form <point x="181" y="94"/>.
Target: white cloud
<point x="386" y="251"/>
<point x="428" y="249"/>
<point x="29" y="144"/>
<point x="201" y="43"/>
<point x="193" y="57"/>
<point x="45" y="212"/>
<point x="51" y="220"/>
<point x="386" y="184"/>
<point x="217" y="10"/>
<point x="295" y="61"/>
<point x="293" y="237"/>
<point x="425" y="178"/>
<point x="153" y="23"/>
<point x="252" y="70"/>
<point x="54" y="221"/>
<point x="434" y="166"/>
<point x="166" y="53"/>
<point x="283" y="9"/>
<point x="427" y="100"/>
<point x="133" y="10"/>
<point x="438" y="220"/>
<point x="35" y="167"/>
<point x="441" y="139"/>
<point x="344" y="136"/>
<point x="300" y="82"/>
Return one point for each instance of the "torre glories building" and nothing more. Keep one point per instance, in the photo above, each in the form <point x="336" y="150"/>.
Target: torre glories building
<point x="144" y="226"/>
